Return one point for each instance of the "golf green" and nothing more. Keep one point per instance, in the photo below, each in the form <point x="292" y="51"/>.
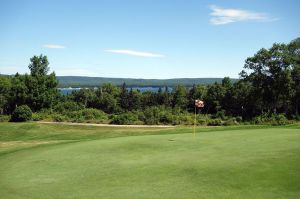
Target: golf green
<point x="239" y="163"/>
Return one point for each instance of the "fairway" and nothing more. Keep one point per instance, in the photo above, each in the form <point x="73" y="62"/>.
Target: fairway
<point x="53" y="161"/>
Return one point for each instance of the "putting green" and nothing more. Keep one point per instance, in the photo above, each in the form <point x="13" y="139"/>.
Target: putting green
<point x="255" y="163"/>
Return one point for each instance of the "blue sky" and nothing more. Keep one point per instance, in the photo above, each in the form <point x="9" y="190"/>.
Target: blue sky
<point x="142" y="38"/>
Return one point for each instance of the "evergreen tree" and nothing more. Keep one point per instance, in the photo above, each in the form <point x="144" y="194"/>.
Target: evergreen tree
<point x="124" y="98"/>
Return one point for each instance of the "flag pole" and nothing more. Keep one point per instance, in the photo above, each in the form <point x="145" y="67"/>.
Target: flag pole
<point x="198" y="104"/>
<point x="195" y="123"/>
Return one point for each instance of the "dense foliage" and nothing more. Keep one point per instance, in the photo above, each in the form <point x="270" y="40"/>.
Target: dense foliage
<point x="268" y="92"/>
<point x="21" y="114"/>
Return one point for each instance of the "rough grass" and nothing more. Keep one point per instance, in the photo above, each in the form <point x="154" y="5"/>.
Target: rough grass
<point x="103" y="162"/>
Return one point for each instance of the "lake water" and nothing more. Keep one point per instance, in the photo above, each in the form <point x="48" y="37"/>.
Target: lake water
<point x="66" y="91"/>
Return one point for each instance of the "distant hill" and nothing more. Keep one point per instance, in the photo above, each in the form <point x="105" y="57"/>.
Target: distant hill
<point x="81" y="81"/>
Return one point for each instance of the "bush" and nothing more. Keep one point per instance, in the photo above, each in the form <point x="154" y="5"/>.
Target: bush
<point x="66" y="107"/>
<point x="43" y="114"/>
<point x="201" y="121"/>
<point x="58" y="118"/>
<point x="152" y="115"/>
<point x="88" y="115"/>
<point x="239" y="119"/>
<point x="21" y="114"/>
<point x="126" y="118"/>
<point x="165" y="117"/>
<point x="214" y="122"/>
<point x="281" y="120"/>
<point x="186" y="119"/>
<point x="230" y="122"/>
<point x="271" y="119"/>
<point x="93" y="114"/>
<point x="37" y="117"/>
<point x="4" y="118"/>
<point x="221" y="115"/>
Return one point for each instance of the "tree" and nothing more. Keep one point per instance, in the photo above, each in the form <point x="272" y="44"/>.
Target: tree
<point x="196" y="92"/>
<point x="270" y="76"/>
<point x="41" y="87"/>
<point x="111" y="89"/>
<point x="148" y="99"/>
<point x="134" y="100"/>
<point x="294" y="52"/>
<point x="258" y="78"/>
<point x="160" y="96"/>
<point x="238" y="101"/>
<point x="85" y="97"/>
<point x="124" y="98"/>
<point x="18" y="92"/>
<point x="214" y="97"/>
<point x="180" y="97"/>
<point x="296" y="86"/>
<point x="166" y="97"/>
<point x="39" y="65"/>
<point x="108" y="103"/>
<point x="5" y="87"/>
<point x="107" y="97"/>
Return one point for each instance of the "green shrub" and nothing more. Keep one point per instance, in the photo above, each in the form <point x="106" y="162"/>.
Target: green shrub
<point x="264" y="118"/>
<point x="37" y="117"/>
<point x="271" y="119"/>
<point x="239" y="119"/>
<point x="281" y="120"/>
<point x="93" y="114"/>
<point x="4" y="118"/>
<point x="87" y="115"/>
<point x="152" y="115"/>
<point x="215" y="122"/>
<point x="201" y="121"/>
<point x="183" y="118"/>
<point x="140" y="115"/>
<point x="58" y="118"/>
<point x="66" y="107"/>
<point x="165" y="117"/>
<point x="176" y="120"/>
<point x="230" y="122"/>
<point x="221" y="115"/>
<point x="187" y="119"/>
<point x="21" y="114"/>
<point x="125" y="118"/>
<point x="44" y="114"/>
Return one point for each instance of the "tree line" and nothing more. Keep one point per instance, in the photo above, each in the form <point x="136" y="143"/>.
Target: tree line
<point x="268" y="85"/>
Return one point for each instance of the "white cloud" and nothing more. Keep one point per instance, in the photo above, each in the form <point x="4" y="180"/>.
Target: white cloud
<point x="53" y="46"/>
<point x="135" y="53"/>
<point x="221" y="16"/>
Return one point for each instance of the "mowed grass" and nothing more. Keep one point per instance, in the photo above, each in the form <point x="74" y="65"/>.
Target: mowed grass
<point x="108" y="162"/>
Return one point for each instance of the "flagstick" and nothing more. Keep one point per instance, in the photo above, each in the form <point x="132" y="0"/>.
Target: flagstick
<point x="195" y="123"/>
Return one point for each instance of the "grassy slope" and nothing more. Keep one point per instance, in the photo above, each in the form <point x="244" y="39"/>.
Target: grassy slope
<point x="163" y="163"/>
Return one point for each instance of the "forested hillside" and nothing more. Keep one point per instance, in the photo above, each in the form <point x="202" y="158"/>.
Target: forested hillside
<point x="83" y="81"/>
<point x="80" y="81"/>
